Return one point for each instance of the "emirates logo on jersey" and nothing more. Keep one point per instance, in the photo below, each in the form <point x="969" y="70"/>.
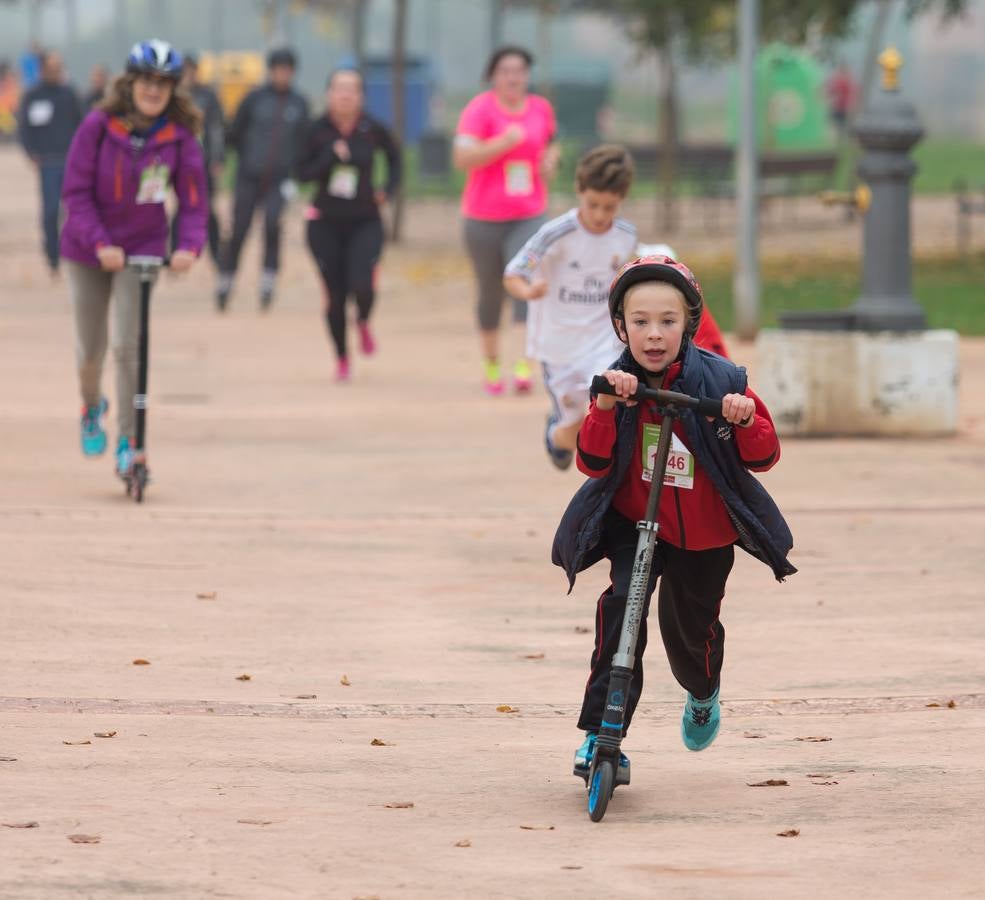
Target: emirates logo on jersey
<point x="724" y="432"/>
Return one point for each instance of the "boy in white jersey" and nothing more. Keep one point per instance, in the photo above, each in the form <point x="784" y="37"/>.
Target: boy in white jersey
<point x="567" y="268"/>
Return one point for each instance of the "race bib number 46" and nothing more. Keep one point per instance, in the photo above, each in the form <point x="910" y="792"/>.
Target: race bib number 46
<point x="680" y="462"/>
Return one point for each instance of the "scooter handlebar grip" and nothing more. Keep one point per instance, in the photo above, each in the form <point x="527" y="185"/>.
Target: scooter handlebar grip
<point x="600" y="385"/>
<point x="708" y="407"/>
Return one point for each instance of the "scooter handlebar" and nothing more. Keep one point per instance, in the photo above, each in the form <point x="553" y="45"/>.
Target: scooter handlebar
<point x="705" y="406"/>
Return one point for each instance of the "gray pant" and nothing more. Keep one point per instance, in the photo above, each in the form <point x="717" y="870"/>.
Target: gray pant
<point x="491" y="246"/>
<point x="90" y="289"/>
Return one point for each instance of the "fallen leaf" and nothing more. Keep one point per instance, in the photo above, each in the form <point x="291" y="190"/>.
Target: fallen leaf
<point x="933" y="704"/>
<point x="305" y="696"/>
<point x="8" y="759"/>
<point x="465" y="842"/>
<point x="790" y="832"/>
<point x="255" y="821"/>
<point x="141" y="662"/>
<point x="104" y="734"/>
<point x="770" y="782"/>
<point x="376" y="742"/>
<point x="951" y="704"/>
<point x="244" y="677"/>
<point x="84" y="838"/>
<point x="344" y="680"/>
<point x="207" y="595"/>
<point x="571" y="867"/>
<point x="76" y="743"/>
<point x="532" y="656"/>
<point x="822" y="783"/>
<point x="506" y="708"/>
<point x="20" y="824"/>
<point x="753" y="734"/>
<point x="537" y="827"/>
<point x="582" y="629"/>
<point x="814" y="739"/>
<point x="399" y="804"/>
<point x="819" y="776"/>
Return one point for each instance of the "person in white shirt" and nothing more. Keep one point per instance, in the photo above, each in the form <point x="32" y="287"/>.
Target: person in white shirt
<point x="564" y="271"/>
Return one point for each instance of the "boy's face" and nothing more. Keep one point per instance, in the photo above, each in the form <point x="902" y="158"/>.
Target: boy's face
<point x="655" y="315"/>
<point x="597" y="209"/>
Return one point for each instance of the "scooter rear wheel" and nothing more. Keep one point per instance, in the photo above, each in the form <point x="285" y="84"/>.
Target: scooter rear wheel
<point x="600" y="787"/>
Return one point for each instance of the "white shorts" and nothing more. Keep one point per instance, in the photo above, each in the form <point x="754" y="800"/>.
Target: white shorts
<point x="568" y="387"/>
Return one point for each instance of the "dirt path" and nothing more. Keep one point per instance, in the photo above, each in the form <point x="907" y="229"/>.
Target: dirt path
<point x="396" y="532"/>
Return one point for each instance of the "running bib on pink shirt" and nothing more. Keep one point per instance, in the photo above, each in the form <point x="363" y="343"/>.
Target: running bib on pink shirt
<point x="510" y="186"/>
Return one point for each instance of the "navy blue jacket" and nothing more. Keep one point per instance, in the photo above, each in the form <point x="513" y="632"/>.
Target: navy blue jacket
<point x="760" y="525"/>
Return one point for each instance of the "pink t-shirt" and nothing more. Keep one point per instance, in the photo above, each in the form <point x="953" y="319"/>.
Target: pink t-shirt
<point x="510" y="187"/>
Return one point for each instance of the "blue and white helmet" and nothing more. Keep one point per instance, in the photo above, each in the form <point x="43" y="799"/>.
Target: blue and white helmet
<point x="155" y="57"/>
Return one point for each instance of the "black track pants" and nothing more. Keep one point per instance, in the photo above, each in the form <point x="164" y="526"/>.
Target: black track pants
<point x="692" y="585"/>
<point x="346" y="253"/>
<point x="250" y="193"/>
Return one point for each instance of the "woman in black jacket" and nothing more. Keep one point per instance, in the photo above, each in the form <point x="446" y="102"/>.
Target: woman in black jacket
<point x="345" y="232"/>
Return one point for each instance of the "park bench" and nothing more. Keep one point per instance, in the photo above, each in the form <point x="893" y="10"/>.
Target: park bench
<point x="709" y="168"/>
<point x="968" y="206"/>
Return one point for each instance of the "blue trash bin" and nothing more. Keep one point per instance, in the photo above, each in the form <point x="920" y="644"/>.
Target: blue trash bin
<point x="378" y="75"/>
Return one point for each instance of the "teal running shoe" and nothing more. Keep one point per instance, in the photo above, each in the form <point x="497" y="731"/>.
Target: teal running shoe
<point x="583" y="760"/>
<point x="93" y="436"/>
<point x="700" y="722"/>
<point x="124" y="457"/>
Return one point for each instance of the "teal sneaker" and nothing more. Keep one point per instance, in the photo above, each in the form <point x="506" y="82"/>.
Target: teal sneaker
<point x="93" y="436"/>
<point x="700" y="722"/>
<point x="583" y="760"/>
<point x="124" y="457"/>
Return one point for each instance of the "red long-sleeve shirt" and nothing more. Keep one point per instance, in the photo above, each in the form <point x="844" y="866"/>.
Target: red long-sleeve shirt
<point x="690" y="518"/>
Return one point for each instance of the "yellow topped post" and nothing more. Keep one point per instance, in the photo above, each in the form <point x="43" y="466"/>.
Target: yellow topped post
<point x="891" y="62"/>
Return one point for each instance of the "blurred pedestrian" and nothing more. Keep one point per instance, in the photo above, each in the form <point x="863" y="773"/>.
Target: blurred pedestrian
<point x="49" y="115"/>
<point x="126" y="155"/>
<point x="30" y="65"/>
<point x="98" y="82"/>
<point x="213" y="140"/>
<point x="9" y="101"/>
<point x="842" y="93"/>
<point x="345" y="232"/>
<point x="506" y="142"/>
<point x="267" y="134"/>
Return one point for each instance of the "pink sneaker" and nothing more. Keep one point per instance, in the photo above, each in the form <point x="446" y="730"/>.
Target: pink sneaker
<point x="342" y="373"/>
<point x="366" y="342"/>
<point x="493" y="382"/>
<point x="523" y="379"/>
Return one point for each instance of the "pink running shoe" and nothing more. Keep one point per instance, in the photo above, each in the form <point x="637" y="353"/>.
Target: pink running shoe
<point x="342" y="373"/>
<point x="493" y="379"/>
<point x="523" y="379"/>
<point x="366" y="342"/>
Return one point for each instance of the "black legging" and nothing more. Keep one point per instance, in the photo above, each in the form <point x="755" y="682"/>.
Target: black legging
<point x="346" y="252"/>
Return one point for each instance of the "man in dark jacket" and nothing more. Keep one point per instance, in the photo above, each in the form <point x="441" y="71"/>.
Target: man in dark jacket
<point x="213" y="140"/>
<point x="47" y="119"/>
<point x="268" y="134"/>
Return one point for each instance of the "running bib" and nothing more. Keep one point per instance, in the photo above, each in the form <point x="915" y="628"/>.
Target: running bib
<point x="680" y="462"/>
<point x="154" y="184"/>
<point x="519" y="175"/>
<point x="40" y="113"/>
<point x="344" y="182"/>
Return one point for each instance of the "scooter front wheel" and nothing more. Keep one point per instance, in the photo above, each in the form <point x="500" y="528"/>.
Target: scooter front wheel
<point x="138" y="481"/>
<point x="600" y="787"/>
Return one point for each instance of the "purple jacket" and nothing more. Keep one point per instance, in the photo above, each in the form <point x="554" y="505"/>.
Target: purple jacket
<point x="103" y="176"/>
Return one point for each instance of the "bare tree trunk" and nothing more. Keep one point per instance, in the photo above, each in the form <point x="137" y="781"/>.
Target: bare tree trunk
<point x="34" y="21"/>
<point x="359" y="31"/>
<point x="667" y="203"/>
<point x="398" y="90"/>
<point x="545" y="11"/>
<point x="495" y="23"/>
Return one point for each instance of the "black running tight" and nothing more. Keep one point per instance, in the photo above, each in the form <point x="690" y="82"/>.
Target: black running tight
<point x="346" y="253"/>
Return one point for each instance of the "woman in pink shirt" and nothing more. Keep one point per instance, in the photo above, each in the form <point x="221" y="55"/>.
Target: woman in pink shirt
<point x="506" y="142"/>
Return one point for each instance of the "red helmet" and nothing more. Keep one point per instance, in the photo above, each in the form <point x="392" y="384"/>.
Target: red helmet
<point x="657" y="268"/>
